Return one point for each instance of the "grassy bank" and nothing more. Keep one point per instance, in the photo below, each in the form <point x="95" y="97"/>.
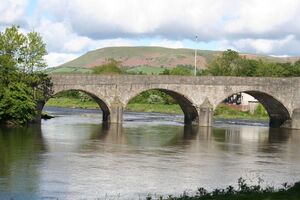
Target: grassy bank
<point x="66" y="102"/>
<point x="222" y="112"/>
<point x="226" y="112"/>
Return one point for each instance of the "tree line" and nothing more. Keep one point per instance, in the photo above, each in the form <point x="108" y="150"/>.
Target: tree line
<point x="230" y="63"/>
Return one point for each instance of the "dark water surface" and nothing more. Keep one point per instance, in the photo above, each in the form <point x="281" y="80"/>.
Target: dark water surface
<point x="74" y="156"/>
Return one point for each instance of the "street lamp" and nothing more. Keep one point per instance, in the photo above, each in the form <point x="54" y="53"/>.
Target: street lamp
<point x="195" y="71"/>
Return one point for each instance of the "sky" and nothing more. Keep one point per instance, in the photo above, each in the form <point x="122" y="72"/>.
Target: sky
<point x="70" y="28"/>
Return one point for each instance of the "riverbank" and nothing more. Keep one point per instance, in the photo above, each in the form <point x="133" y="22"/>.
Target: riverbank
<point x="222" y="112"/>
<point x="244" y="192"/>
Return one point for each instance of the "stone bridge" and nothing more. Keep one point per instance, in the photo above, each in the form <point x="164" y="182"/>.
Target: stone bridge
<point x="197" y="96"/>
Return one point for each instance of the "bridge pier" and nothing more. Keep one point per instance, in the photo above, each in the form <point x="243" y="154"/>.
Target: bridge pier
<point x="296" y="119"/>
<point x="205" y="113"/>
<point x="277" y="121"/>
<point x="116" y="112"/>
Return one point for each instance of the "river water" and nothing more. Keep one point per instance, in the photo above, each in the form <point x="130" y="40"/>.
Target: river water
<point x="74" y="156"/>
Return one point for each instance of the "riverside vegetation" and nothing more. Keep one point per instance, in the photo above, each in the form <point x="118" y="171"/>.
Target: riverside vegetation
<point x="22" y="86"/>
<point x="244" y="192"/>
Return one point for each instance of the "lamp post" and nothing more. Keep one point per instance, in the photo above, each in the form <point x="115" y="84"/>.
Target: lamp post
<point x="195" y="71"/>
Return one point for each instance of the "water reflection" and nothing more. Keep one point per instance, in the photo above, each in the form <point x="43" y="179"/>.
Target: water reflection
<point x="19" y="158"/>
<point x="73" y="157"/>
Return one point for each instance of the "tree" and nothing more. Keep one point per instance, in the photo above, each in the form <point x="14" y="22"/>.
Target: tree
<point x="225" y="64"/>
<point x="16" y="104"/>
<point x="111" y="67"/>
<point x="34" y="52"/>
<point x="26" y="50"/>
<point x="179" y="70"/>
<point x="22" y="88"/>
<point x="296" y="68"/>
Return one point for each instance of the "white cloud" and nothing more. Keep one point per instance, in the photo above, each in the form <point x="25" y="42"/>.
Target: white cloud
<point x="100" y="19"/>
<point x="73" y="27"/>
<point x="12" y="12"/>
<point x="55" y="59"/>
<point x="288" y="45"/>
<point x="267" y="18"/>
<point x="167" y="43"/>
<point x="254" y="25"/>
<point x="60" y="37"/>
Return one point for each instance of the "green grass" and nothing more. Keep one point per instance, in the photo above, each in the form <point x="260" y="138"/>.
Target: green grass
<point x="160" y="108"/>
<point x="71" y="103"/>
<point x="146" y="70"/>
<point x="222" y="112"/>
<point x="76" y="103"/>
<point x="226" y="112"/>
<point x="67" y="70"/>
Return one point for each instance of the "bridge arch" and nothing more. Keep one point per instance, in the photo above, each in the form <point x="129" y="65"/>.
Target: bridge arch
<point x="277" y="111"/>
<point x="103" y="105"/>
<point x="188" y="108"/>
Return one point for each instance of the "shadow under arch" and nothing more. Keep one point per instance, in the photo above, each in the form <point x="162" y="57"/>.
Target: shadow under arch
<point x="278" y="113"/>
<point x="186" y="105"/>
<point x="102" y="104"/>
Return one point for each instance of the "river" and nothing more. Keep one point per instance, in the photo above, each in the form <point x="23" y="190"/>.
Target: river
<point x="75" y="156"/>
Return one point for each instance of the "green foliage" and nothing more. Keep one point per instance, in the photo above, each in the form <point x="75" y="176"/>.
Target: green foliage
<point x="73" y="94"/>
<point x="16" y="103"/>
<point x="21" y="88"/>
<point x="153" y="97"/>
<point x="27" y="51"/>
<point x="243" y="192"/>
<point x="178" y="70"/>
<point x="112" y="67"/>
<point x="260" y="111"/>
<point x="232" y="64"/>
<point x="145" y="70"/>
<point x="67" y="70"/>
<point x="34" y="52"/>
<point x="226" y="112"/>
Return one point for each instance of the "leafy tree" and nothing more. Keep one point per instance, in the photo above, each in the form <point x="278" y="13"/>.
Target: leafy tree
<point x="112" y="67"/>
<point x="22" y="89"/>
<point x="295" y="69"/>
<point x="27" y="51"/>
<point x="16" y="104"/>
<point x="268" y="69"/>
<point x="33" y="53"/>
<point x="223" y="65"/>
<point x="230" y="63"/>
<point x="179" y="70"/>
<point x="245" y="67"/>
<point x="166" y="72"/>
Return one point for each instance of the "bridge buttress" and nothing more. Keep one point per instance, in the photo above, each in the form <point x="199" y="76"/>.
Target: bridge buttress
<point x="116" y="112"/>
<point x="296" y="119"/>
<point x="205" y="113"/>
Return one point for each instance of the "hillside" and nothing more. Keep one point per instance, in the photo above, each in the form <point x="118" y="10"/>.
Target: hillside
<point x="142" y="56"/>
<point x="146" y="57"/>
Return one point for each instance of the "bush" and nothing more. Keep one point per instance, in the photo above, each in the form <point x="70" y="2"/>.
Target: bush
<point x="260" y="111"/>
<point x="112" y="67"/>
<point x="17" y="104"/>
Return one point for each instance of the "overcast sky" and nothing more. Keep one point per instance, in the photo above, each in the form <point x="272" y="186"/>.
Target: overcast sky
<point x="72" y="27"/>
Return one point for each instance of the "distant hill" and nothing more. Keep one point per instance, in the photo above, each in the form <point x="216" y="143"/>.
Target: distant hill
<point x="134" y="57"/>
<point x="142" y="56"/>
